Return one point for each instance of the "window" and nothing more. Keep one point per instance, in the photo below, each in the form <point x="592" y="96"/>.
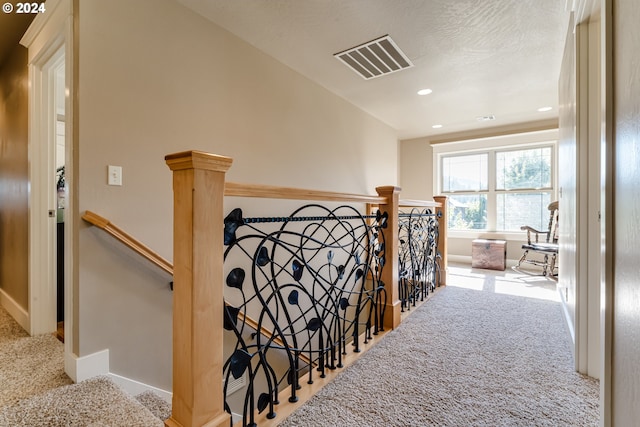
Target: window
<point x="498" y="189"/>
<point x="465" y="173"/>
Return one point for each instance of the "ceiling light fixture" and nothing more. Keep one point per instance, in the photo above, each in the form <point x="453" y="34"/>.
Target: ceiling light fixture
<point x="436" y="126"/>
<point x="543" y="109"/>
<point x="424" y="92"/>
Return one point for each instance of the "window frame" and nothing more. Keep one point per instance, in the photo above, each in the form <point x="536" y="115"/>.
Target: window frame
<point x="515" y="142"/>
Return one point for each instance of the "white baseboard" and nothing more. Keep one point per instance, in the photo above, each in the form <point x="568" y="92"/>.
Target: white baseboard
<point x="134" y="387"/>
<point x="459" y="259"/>
<point x="466" y="259"/>
<point x="19" y="314"/>
<point x="85" y="367"/>
<point x="96" y="364"/>
<point x="568" y="322"/>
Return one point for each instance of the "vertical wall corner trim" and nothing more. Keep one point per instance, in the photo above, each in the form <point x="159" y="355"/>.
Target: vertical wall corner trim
<point x="85" y="367"/>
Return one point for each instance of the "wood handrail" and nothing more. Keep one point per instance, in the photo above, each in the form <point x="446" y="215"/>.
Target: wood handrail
<point x="165" y="265"/>
<point x="128" y="241"/>
<point x="274" y="192"/>
<point x="234" y="189"/>
<point x="199" y="188"/>
<point x="409" y="203"/>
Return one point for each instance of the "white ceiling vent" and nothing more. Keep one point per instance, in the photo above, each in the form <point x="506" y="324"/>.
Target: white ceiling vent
<point x="375" y="58"/>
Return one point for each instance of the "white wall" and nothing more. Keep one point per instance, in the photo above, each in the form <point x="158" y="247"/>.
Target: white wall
<point x="155" y="78"/>
<point x="579" y="176"/>
<point x="625" y="365"/>
<point x="568" y="180"/>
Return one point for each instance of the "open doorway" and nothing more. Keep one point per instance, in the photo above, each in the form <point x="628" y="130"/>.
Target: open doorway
<point x="60" y="190"/>
<point x="51" y="53"/>
<point x="47" y="154"/>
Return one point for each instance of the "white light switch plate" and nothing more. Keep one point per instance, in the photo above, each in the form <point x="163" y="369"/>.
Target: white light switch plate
<point x="114" y="175"/>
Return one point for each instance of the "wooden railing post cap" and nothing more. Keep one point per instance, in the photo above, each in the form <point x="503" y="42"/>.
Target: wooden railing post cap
<point x="198" y="160"/>
<point x="388" y="189"/>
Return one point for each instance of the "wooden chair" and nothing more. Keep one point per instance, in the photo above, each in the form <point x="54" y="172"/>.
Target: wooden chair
<point x="547" y="248"/>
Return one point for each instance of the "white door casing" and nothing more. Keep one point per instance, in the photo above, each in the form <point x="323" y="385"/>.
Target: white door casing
<point x="49" y="41"/>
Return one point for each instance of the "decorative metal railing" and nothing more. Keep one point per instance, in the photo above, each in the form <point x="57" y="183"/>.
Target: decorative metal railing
<point x="312" y="281"/>
<point x="294" y="293"/>
<point x="419" y="261"/>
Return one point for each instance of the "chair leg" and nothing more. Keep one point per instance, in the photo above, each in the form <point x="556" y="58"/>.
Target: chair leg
<point x="523" y="257"/>
<point x="552" y="265"/>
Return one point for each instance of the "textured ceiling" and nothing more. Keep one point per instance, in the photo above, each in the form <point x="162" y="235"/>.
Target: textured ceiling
<point x="480" y="57"/>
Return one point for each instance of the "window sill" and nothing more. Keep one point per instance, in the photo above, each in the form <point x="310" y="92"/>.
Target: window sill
<point x="481" y="234"/>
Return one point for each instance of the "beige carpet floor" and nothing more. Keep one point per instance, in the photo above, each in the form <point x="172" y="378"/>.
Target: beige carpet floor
<point x="10" y="330"/>
<point x="35" y="391"/>
<point x="489" y="350"/>
<point x="94" y="402"/>
<point x="28" y="365"/>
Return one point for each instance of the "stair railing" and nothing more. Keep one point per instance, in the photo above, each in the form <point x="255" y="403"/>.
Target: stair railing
<point x="128" y="240"/>
<point x="419" y="258"/>
<point x="147" y="253"/>
<point x="199" y="249"/>
<point x="199" y="188"/>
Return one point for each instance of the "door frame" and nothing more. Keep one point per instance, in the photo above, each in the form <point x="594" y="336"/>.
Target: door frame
<point x="50" y="43"/>
<point x="588" y="91"/>
<point x="606" y="210"/>
<point x="601" y="110"/>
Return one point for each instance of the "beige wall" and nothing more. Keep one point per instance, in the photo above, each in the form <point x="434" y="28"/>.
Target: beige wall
<point x="14" y="176"/>
<point x="155" y="78"/>
<point x="416" y="170"/>
<point x="626" y="291"/>
<point x="417" y="182"/>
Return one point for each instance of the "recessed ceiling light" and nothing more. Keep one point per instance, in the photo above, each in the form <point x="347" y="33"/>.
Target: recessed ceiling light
<point x="424" y="91"/>
<point x="543" y="109"/>
<point x="436" y="126"/>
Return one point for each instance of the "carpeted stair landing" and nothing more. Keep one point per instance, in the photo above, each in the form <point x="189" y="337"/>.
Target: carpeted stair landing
<point x="96" y="402"/>
<point x="35" y="391"/>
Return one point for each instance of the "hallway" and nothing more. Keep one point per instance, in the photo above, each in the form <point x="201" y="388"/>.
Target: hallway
<point x="490" y="349"/>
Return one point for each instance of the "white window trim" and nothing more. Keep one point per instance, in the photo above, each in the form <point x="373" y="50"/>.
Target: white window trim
<point x="513" y="141"/>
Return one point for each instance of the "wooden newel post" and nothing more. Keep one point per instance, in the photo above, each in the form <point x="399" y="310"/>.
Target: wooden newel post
<point x="198" y="187"/>
<point x="390" y="270"/>
<point x="442" y="237"/>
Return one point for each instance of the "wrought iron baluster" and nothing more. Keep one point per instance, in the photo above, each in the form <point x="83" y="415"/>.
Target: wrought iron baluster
<point x="313" y="288"/>
<point x="418" y="235"/>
